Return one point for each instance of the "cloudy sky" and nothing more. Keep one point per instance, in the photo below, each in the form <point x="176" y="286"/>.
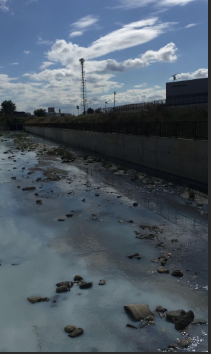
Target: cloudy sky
<point x="132" y="47"/>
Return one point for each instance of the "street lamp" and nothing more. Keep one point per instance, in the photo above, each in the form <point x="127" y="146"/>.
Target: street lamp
<point x="106" y="102"/>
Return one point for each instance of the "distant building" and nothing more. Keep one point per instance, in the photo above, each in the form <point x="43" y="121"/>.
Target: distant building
<point x="51" y="110"/>
<point x="189" y="92"/>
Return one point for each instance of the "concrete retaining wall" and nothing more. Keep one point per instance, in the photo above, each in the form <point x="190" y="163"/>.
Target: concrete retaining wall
<point x="180" y="157"/>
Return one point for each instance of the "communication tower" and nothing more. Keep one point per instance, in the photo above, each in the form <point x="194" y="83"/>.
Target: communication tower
<point x="83" y="87"/>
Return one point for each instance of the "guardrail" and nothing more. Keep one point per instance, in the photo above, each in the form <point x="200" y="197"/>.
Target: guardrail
<point x="181" y="129"/>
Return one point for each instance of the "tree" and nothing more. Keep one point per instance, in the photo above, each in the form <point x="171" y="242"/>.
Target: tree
<point x="40" y="112"/>
<point x="90" y="111"/>
<point x="8" y="107"/>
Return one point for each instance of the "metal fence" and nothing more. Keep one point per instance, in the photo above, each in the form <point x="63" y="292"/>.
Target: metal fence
<point x="188" y="129"/>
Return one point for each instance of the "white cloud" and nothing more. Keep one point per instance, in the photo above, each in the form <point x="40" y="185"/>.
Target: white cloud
<point x="141" y="85"/>
<point x="191" y="25"/>
<point x="42" y="41"/>
<point x="26" y="51"/>
<point x="3" y="6"/>
<point x="76" y="34"/>
<point x="85" y="22"/>
<point x="128" y="36"/>
<point x="45" y="65"/>
<point x="132" y="4"/>
<point x="14" y="64"/>
<point x="200" y="73"/>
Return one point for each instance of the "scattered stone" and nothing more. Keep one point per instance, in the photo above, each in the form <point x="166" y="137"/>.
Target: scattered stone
<point x="94" y="218"/>
<point x="97" y="195"/>
<point x="185" y="342"/>
<point x="162" y="270"/>
<point x="174" y="240"/>
<point x="184" y="320"/>
<point x="70" y="328"/>
<point x="174" y="315"/>
<point x="76" y="332"/>
<point x="150" y="318"/>
<point x="151" y="322"/>
<point x="62" y="289"/>
<point x="199" y="322"/>
<point x="135" y="204"/>
<point x="28" y="188"/>
<point x="83" y="200"/>
<point x="68" y="284"/>
<point x="102" y="282"/>
<point x="61" y="219"/>
<point x="77" y="278"/>
<point x="86" y="285"/>
<point x="135" y="255"/>
<point x="34" y="300"/>
<point x="131" y="326"/>
<point x="199" y="204"/>
<point x="18" y="187"/>
<point x="177" y="273"/>
<point x="121" y="221"/>
<point x="138" y="311"/>
<point x="146" y="237"/>
<point x="160" y="309"/>
<point x="173" y="346"/>
<point x="39" y="201"/>
<point x="69" y="215"/>
<point x="131" y="221"/>
<point x="13" y="178"/>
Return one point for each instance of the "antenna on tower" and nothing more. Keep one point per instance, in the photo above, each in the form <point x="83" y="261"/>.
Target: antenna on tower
<point x="83" y="87"/>
<point x="174" y="76"/>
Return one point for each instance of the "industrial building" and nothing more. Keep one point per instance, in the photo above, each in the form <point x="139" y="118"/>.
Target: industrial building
<point x="189" y="92"/>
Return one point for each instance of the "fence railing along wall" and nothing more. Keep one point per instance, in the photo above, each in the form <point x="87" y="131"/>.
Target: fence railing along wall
<point x="188" y="129"/>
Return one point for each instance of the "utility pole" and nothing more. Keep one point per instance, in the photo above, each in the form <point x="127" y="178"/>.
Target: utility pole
<point x="114" y="99"/>
<point x="83" y="86"/>
<point x="105" y="105"/>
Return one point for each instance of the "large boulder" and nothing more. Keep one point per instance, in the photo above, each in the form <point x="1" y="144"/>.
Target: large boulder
<point x="34" y="300"/>
<point x="70" y="328"/>
<point x="184" y="320"/>
<point x="76" y="332"/>
<point x="138" y="312"/>
<point x="174" y="315"/>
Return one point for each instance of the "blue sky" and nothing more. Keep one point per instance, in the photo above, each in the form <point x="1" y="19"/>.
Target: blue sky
<point x="132" y="47"/>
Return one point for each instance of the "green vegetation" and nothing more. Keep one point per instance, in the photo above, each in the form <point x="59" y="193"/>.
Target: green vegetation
<point x="8" y="107"/>
<point x="63" y="153"/>
<point x="151" y="113"/>
<point x="40" y="112"/>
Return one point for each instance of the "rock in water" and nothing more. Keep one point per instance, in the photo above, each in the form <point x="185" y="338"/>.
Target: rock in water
<point x="34" y="300"/>
<point x="62" y="289"/>
<point x="177" y="273"/>
<point x="101" y="282"/>
<point x="86" y="285"/>
<point x="174" y="315"/>
<point x="77" y="278"/>
<point x="76" y="332"/>
<point x="70" y="328"/>
<point x="184" y="320"/>
<point x="138" y="312"/>
<point x="68" y="284"/>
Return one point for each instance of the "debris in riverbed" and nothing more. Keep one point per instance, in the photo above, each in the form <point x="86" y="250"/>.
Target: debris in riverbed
<point x="160" y="309"/>
<point x="61" y="219"/>
<point x="135" y="255"/>
<point x="86" y="285"/>
<point x="174" y="315"/>
<point x="162" y="270"/>
<point x="76" y="332"/>
<point x="138" y="311"/>
<point x="68" y="284"/>
<point x="39" y="201"/>
<point x="70" y="328"/>
<point x="184" y="320"/>
<point x="102" y="282"/>
<point x="62" y="289"/>
<point x="28" y="188"/>
<point x="77" y="278"/>
<point x="131" y="326"/>
<point x="135" y="204"/>
<point x="177" y="273"/>
<point x="34" y="300"/>
<point x="146" y="237"/>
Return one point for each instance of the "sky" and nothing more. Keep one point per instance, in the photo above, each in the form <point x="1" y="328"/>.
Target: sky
<point x="131" y="47"/>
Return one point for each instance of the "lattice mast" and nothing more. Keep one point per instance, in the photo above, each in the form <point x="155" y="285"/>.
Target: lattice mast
<point x="83" y="87"/>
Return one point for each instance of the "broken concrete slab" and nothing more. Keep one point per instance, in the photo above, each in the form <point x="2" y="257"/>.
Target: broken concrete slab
<point x="138" y="311"/>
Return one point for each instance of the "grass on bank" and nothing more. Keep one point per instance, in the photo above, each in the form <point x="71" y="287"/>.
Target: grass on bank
<point x="159" y="113"/>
